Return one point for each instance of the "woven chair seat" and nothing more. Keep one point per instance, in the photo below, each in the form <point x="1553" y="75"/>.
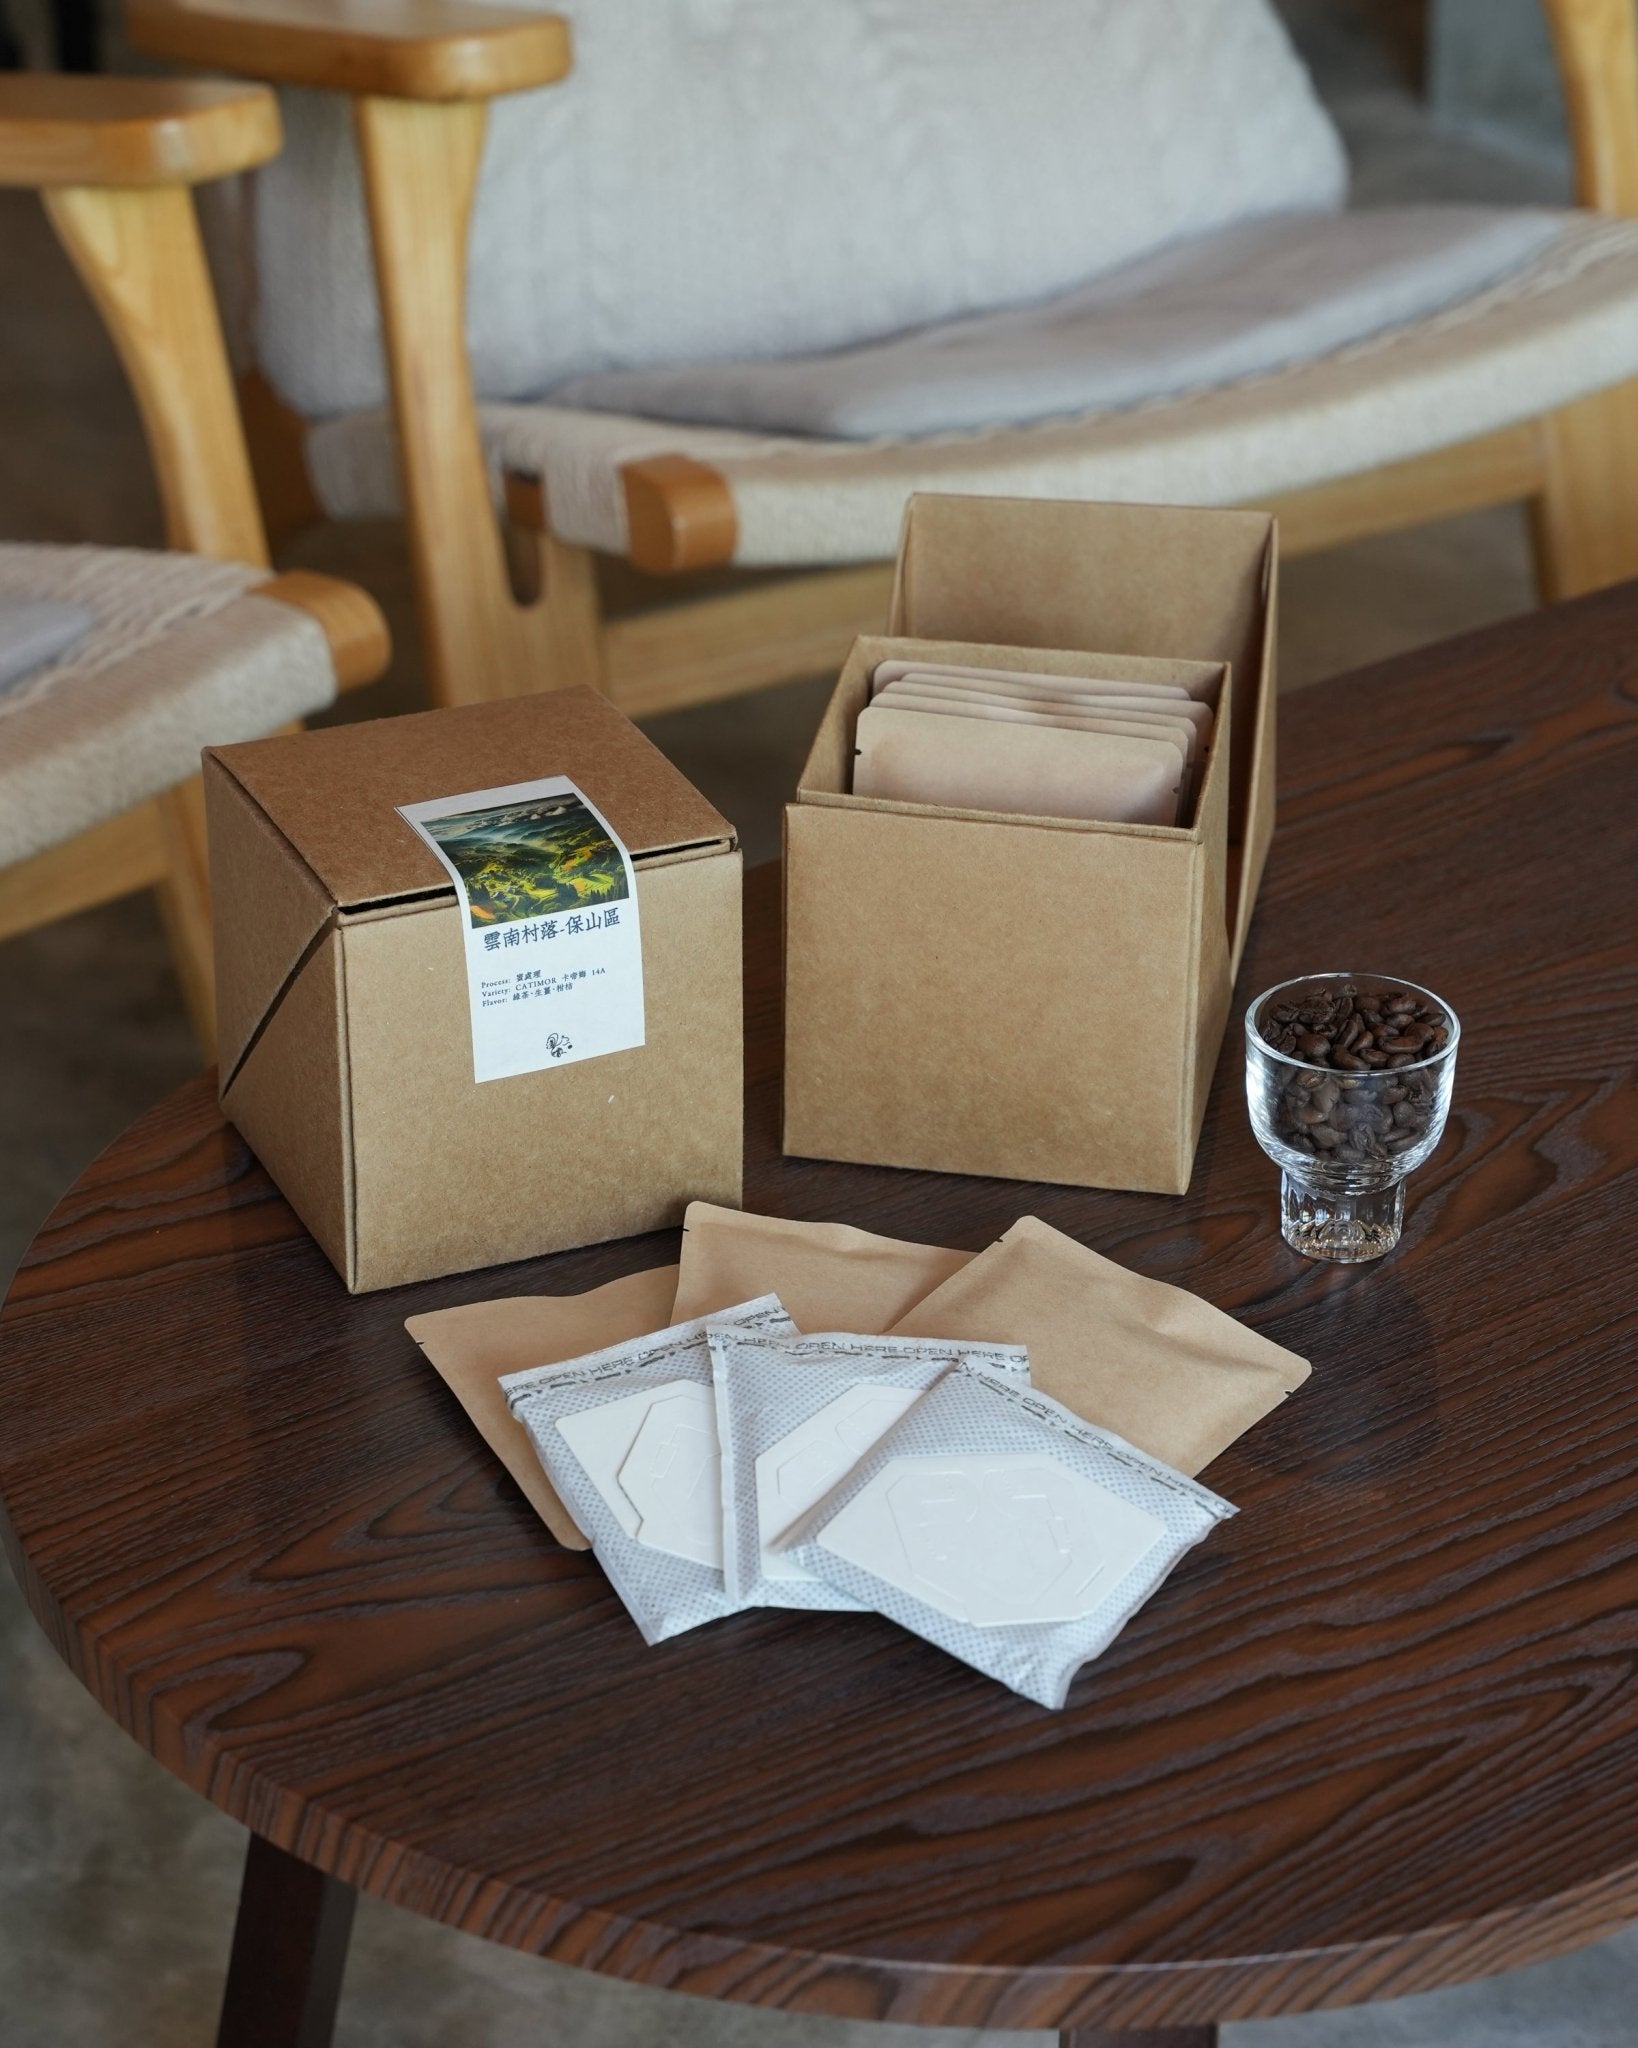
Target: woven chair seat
<point x="1561" y="325"/>
<point x="179" y="654"/>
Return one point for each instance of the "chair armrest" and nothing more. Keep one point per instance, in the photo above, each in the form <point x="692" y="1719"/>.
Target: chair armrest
<point x="131" y="131"/>
<point x="360" y="645"/>
<point x="1596" y="42"/>
<point x="392" y="49"/>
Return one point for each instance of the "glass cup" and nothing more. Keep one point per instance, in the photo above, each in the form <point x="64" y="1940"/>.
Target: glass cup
<point x="1348" y="1080"/>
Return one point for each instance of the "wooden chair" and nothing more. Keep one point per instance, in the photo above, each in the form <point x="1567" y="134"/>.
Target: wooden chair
<point x="1523" y="394"/>
<point x="113" y="160"/>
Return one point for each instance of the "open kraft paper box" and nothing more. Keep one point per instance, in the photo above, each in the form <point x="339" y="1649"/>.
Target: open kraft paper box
<point x="346" y="1041"/>
<point x="1038" y="999"/>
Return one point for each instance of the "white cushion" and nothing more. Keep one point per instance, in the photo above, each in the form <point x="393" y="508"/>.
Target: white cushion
<point x="727" y="178"/>
<point x="178" y="654"/>
<point x="1244" y="300"/>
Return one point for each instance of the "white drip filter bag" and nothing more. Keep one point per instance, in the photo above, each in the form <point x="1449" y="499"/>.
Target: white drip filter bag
<point x="794" y="1414"/>
<point x="629" y="1437"/>
<point x="994" y="1522"/>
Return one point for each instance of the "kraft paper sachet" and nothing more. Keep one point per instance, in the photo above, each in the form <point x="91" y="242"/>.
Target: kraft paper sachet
<point x="1026" y="694"/>
<point x="1034" y="771"/>
<point x="828" y="1275"/>
<point x="1193" y="679"/>
<point x="1060" y="716"/>
<point x="1150" y="1362"/>
<point x="998" y="709"/>
<point x="472" y="1346"/>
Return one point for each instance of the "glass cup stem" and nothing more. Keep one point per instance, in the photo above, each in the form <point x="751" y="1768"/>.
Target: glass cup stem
<point x="1327" y="1223"/>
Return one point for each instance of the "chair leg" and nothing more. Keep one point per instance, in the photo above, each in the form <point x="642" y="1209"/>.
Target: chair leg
<point x="420" y="161"/>
<point x="1584" y="524"/>
<point x="184" y="903"/>
<point x="707" y="648"/>
<point x="109" y="861"/>
<point x="276" y="438"/>
<point x="573" y="614"/>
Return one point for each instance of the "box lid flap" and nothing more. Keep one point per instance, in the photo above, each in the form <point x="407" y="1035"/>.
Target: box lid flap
<point x="333" y="793"/>
<point x="1174" y="580"/>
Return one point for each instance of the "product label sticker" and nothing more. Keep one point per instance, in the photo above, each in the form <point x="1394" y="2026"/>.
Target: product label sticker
<point x="554" y="957"/>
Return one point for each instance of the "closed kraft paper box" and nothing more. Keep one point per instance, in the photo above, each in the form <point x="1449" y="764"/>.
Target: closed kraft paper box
<point x="346" y="1042"/>
<point x="1036" y="999"/>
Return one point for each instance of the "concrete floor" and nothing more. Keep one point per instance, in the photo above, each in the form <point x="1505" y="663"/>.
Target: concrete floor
<point x="116" y="1885"/>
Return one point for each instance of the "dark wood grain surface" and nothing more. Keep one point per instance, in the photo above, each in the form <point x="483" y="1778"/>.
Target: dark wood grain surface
<point x="1380" y="1732"/>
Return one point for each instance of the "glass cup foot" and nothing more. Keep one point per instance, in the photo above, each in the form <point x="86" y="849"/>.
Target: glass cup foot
<point x="1344" y="1228"/>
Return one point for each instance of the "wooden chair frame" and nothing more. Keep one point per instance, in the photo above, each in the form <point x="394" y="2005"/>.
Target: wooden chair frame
<point x="113" y="160"/>
<point x="420" y="75"/>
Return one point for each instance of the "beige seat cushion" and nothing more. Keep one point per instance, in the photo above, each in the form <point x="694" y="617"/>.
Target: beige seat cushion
<point x="1562" y="325"/>
<point x="179" y="656"/>
<point x="1236" y="304"/>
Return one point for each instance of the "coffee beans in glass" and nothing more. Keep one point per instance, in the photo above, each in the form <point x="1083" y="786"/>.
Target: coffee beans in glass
<point x="1348" y="1080"/>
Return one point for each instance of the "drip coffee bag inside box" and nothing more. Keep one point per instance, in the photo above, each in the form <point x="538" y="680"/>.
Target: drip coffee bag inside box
<point x="1020" y="769"/>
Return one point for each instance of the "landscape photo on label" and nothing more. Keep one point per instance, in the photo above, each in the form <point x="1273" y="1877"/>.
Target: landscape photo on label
<point x="543" y="855"/>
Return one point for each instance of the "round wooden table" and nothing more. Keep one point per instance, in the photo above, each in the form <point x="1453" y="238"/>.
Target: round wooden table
<point x="1378" y="1734"/>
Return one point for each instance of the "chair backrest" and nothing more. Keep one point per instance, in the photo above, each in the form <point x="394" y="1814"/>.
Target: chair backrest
<point x="722" y="178"/>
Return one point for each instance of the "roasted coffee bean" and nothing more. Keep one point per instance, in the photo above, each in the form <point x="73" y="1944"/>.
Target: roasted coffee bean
<point x="1348" y="1020"/>
<point x="1352" y="1100"/>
